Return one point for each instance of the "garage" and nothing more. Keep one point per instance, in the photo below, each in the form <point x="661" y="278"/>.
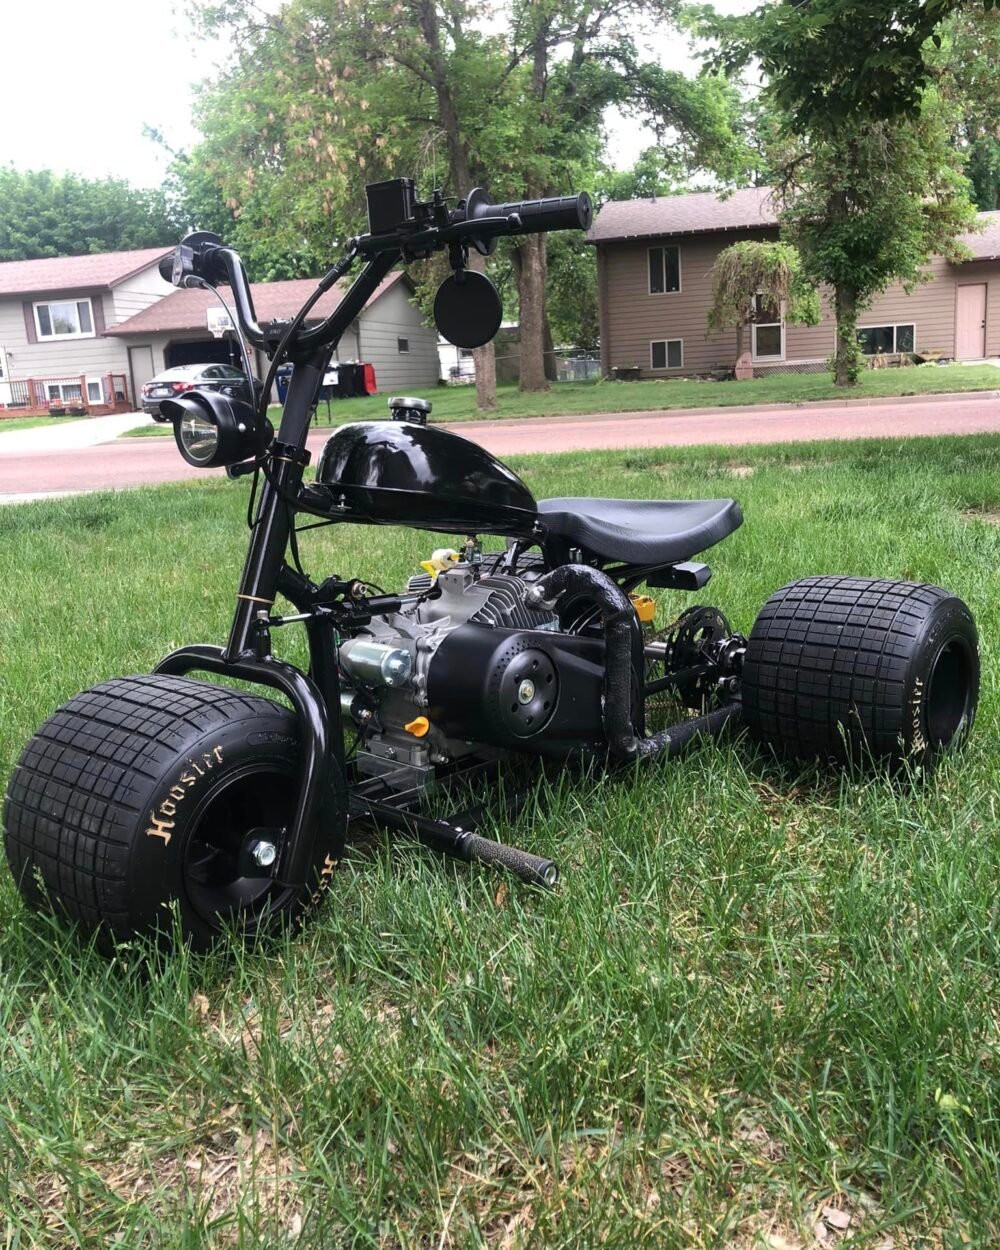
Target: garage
<point x="391" y="333"/>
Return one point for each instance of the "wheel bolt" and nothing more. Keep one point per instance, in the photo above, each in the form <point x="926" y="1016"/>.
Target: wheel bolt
<point x="526" y="691"/>
<point x="264" y="854"/>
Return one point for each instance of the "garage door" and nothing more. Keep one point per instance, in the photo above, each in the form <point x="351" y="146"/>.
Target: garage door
<point x="197" y="352"/>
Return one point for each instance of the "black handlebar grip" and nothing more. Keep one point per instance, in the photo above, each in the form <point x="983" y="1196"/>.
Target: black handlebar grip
<point x="531" y="868"/>
<point x="561" y="212"/>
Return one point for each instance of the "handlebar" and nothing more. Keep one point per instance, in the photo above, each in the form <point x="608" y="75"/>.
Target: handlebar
<point x="202" y="259"/>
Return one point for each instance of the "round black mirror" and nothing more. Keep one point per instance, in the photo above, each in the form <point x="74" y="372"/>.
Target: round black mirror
<point x="468" y="309"/>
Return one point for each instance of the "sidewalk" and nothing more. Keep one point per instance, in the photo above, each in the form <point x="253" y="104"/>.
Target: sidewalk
<point x="73" y="435"/>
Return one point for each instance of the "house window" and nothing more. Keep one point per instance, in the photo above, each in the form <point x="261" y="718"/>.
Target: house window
<point x="768" y="331"/>
<point x="402" y="345"/>
<point x="3" y="364"/>
<point x="70" y="392"/>
<point x="67" y="319"/>
<point x="666" y="354"/>
<point x="886" y="340"/>
<point x="664" y="270"/>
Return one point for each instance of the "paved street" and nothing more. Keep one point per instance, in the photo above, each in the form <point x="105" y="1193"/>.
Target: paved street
<point x="135" y="462"/>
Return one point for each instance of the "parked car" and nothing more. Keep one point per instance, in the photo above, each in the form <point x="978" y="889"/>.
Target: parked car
<point x="211" y="377"/>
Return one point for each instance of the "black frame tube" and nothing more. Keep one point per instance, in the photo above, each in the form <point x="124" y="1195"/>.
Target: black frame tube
<point x="322" y="781"/>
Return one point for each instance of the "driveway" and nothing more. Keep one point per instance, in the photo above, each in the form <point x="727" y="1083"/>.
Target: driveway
<point x="72" y="435"/>
<point x="145" y="461"/>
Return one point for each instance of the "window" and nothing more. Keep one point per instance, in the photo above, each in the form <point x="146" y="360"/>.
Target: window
<point x="70" y="392"/>
<point x="886" y="340"/>
<point x="402" y="345"/>
<point x="768" y="331"/>
<point x="3" y="364"/>
<point x="70" y="319"/>
<point x="666" y="354"/>
<point x="664" y="270"/>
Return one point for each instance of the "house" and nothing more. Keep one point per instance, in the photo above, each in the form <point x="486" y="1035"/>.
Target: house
<point x="54" y="318"/>
<point x="390" y="333"/>
<point x="654" y="266"/>
<point x="90" y="330"/>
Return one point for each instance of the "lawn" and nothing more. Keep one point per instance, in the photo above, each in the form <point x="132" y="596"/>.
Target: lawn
<point x="458" y="403"/>
<point x="760" y="993"/>
<point x="31" y="423"/>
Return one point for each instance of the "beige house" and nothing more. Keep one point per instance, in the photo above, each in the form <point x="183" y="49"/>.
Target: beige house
<point x="654" y="265"/>
<point x="390" y="333"/>
<point x="87" y="331"/>
<point x="54" y="320"/>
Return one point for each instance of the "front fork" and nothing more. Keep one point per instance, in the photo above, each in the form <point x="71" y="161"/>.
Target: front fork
<point x="322" y="805"/>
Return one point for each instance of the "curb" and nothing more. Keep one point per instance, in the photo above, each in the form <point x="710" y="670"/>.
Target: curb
<point x="737" y="410"/>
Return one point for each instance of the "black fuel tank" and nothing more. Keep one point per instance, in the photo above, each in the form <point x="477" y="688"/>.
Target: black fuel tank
<point x="399" y="473"/>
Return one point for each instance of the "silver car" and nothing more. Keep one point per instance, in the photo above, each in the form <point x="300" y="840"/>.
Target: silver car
<point x="210" y="377"/>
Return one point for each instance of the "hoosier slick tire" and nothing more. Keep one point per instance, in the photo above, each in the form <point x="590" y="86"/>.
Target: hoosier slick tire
<point x="862" y="670"/>
<point x="132" y="801"/>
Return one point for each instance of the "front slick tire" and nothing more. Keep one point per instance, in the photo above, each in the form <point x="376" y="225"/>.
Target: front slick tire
<point x="863" y="670"/>
<point x="128" y="808"/>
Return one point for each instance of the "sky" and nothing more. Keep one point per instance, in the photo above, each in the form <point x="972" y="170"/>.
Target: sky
<point x="80" y="80"/>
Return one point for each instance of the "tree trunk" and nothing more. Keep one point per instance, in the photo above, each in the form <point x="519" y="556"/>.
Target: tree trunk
<point x="551" y="370"/>
<point x="531" y="274"/>
<point x="458" y="161"/>
<point x="847" y="361"/>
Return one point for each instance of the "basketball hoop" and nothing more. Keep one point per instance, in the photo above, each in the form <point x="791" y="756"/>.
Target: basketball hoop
<point x="218" y="322"/>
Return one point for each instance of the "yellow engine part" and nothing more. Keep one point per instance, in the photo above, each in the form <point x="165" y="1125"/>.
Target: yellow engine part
<point x="645" y="608"/>
<point x="418" y="727"/>
<point x="441" y="559"/>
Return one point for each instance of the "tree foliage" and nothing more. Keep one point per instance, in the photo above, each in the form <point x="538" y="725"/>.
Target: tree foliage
<point x="322" y="96"/>
<point x="773" y="271"/>
<point x="829" y="62"/>
<point x="869" y="206"/>
<point x="46" y="214"/>
<point x="967" y="68"/>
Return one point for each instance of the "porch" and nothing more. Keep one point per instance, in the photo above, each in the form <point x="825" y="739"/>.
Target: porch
<point x="77" y="395"/>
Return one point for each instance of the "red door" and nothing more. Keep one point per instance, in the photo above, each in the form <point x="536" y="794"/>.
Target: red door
<point x="970" y="322"/>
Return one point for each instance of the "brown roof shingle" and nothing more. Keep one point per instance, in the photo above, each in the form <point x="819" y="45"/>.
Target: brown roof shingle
<point x="754" y="207"/>
<point x="684" y="214"/>
<point x="185" y="309"/>
<point x="75" y="273"/>
<point x="985" y="244"/>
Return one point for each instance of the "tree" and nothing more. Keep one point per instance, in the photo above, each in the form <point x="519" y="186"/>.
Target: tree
<point x="46" y="214"/>
<point x="967" y="67"/>
<point x="772" y="271"/>
<point x="326" y="95"/>
<point x="831" y="62"/>
<point x="579" y="57"/>
<point x="870" y="205"/>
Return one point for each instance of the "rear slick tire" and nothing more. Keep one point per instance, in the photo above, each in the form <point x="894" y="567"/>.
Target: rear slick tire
<point x="128" y="808"/>
<point x="862" y="670"/>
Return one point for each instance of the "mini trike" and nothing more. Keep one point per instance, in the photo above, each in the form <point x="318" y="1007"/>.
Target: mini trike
<point x="165" y="804"/>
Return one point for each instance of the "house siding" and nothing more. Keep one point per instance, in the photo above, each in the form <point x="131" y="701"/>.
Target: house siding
<point x="390" y="317"/>
<point x="631" y="318"/>
<point x="62" y="357"/>
<point x="138" y="292"/>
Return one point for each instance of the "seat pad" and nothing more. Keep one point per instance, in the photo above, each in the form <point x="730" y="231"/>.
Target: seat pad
<point x="641" y="531"/>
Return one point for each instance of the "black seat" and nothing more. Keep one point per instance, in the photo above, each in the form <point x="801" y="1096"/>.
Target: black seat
<point x="640" y="531"/>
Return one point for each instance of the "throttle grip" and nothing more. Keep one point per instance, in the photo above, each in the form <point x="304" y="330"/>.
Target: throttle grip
<point x="560" y="212"/>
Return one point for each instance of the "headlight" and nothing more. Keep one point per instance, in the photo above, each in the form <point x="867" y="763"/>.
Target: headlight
<point x="212" y="430"/>
<point x="197" y="438"/>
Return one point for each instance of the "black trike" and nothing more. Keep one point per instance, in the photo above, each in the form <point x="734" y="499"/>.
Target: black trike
<point x="166" y="804"/>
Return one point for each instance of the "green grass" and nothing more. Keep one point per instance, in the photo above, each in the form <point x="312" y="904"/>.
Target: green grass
<point x="31" y="423"/>
<point x="458" y="403"/>
<point x="760" y="991"/>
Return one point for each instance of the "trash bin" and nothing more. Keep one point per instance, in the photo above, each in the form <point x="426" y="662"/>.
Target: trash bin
<point x="281" y="380"/>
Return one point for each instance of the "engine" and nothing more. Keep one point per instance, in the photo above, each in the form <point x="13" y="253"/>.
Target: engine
<point x="465" y="669"/>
